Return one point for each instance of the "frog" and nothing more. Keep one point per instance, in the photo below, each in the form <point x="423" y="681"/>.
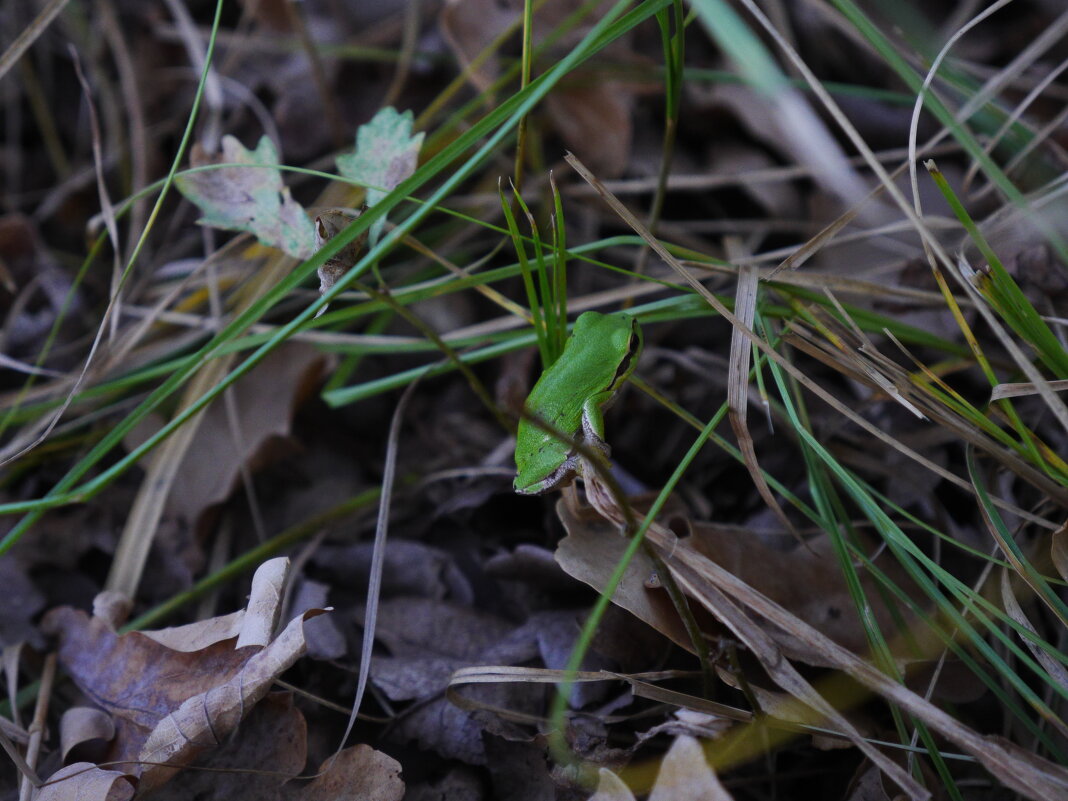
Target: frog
<point x="571" y="397"/>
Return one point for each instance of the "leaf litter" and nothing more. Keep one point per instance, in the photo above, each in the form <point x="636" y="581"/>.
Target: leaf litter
<point x="483" y="595"/>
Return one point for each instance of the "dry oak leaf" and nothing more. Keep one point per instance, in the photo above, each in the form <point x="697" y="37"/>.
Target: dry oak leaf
<point x="84" y="781"/>
<point x="271" y="750"/>
<point x="360" y="773"/>
<point x="168" y="705"/>
<point x="266" y="400"/>
<point x="805" y="581"/>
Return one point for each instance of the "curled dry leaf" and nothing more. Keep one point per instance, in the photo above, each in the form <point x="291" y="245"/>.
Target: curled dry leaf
<point x="87" y="730"/>
<point x="692" y="723"/>
<point x="264" y="603"/>
<point x="200" y="634"/>
<point x="272" y="749"/>
<point x="251" y="626"/>
<point x="84" y="781"/>
<point x="327" y="225"/>
<point x="205" y="720"/>
<point x="168" y="705"/>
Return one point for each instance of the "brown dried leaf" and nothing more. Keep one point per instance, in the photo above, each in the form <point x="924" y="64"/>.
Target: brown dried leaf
<point x="470" y="26"/>
<point x="807" y="582"/>
<point x="83" y="781"/>
<point x="168" y="705"/>
<point x="359" y="772"/>
<point x="132" y="677"/>
<point x="329" y="224"/>
<point x="271" y="750"/>
<point x="593" y="118"/>
<point x="86" y="729"/>
<point x="266" y="400"/>
<point x="431" y="640"/>
<point x="733" y="601"/>
<point x="199" y="634"/>
<point x="691" y="723"/>
<point x="251" y="626"/>
<point x="204" y="720"/>
<point x="595" y="122"/>
<point x="22" y="602"/>
<point x="459" y="784"/>
<point x="590" y="552"/>
<point x="868" y="786"/>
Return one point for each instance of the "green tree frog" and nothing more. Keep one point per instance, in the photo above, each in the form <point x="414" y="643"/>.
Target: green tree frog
<point x="570" y="397"/>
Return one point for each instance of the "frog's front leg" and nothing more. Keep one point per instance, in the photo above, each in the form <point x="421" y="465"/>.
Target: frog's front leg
<point x="593" y="422"/>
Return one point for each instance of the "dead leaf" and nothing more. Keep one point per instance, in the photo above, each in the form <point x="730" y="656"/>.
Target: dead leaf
<point x="807" y="582"/>
<point x="430" y="640"/>
<point x="87" y="731"/>
<point x="169" y="705"/>
<point x="203" y="721"/>
<point x="325" y="640"/>
<point x="691" y="723"/>
<point x="22" y="602"/>
<point x="199" y="634"/>
<point x="251" y="626"/>
<point x="410" y="568"/>
<point x="264" y="603"/>
<point x="113" y="607"/>
<point x="611" y="788"/>
<point x="270" y="750"/>
<point x="83" y="781"/>
<point x="519" y="771"/>
<point x="590" y="552"/>
<point x="266" y="400"/>
<point x="459" y="784"/>
<point x="360" y="773"/>
<point x="328" y="224"/>
<point x="470" y="27"/>
<point x="248" y="198"/>
<point x="595" y="122"/>
<point x="782" y="199"/>
<point x="684" y="775"/>
<point x="868" y="785"/>
<point x="592" y="115"/>
<point x="1059" y="550"/>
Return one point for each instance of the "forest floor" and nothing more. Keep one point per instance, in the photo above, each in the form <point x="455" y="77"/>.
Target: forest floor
<point x="277" y="281"/>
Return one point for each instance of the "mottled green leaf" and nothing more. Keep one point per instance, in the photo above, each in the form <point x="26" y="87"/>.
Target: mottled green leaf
<point x="386" y="154"/>
<point x="251" y="199"/>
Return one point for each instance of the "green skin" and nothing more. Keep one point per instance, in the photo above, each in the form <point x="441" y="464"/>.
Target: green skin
<point x="570" y="397"/>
